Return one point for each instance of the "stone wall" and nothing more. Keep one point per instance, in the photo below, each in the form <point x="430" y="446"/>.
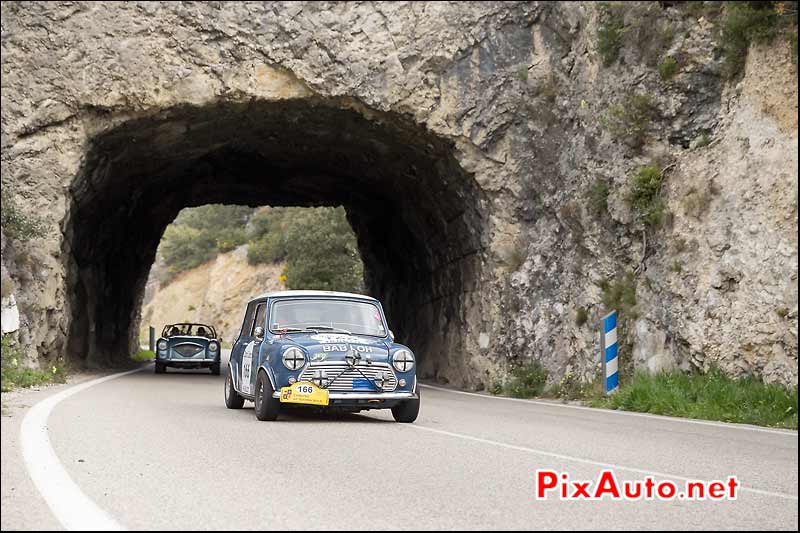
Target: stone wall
<point x="462" y="138"/>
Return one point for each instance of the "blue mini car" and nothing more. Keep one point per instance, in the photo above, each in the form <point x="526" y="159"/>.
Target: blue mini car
<point x="188" y="345"/>
<point x="329" y="350"/>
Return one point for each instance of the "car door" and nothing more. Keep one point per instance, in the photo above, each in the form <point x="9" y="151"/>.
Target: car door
<point x="239" y="345"/>
<point x="249" y="364"/>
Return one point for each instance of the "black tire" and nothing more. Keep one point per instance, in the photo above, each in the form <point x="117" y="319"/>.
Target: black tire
<point x="267" y="407"/>
<point x="407" y="411"/>
<point x="161" y="368"/>
<point x="215" y="369"/>
<point x="232" y="398"/>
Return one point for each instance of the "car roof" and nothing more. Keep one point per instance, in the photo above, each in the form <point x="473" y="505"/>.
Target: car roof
<point x="314" y="294"/>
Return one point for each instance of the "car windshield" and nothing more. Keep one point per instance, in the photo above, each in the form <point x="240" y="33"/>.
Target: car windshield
<point x="199" y="330"/>
<point x="361" y="318"/>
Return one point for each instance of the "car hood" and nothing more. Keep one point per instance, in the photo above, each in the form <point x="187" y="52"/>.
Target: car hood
<point x="335" y="346"/>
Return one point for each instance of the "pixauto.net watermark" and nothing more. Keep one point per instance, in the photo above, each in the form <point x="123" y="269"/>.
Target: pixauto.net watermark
<point x="550" y="483"/>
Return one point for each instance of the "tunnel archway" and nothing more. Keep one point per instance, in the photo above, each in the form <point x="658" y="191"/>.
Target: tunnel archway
<point x="416" y="213"/>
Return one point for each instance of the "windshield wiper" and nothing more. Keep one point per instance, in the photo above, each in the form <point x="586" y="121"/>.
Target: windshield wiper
<point x="329" y="328"/>
<point x="315" y="329"/>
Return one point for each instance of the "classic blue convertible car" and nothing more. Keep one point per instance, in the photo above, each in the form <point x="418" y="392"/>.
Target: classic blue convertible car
<point x="331" y="350"/>
<point x="188" y="345"/>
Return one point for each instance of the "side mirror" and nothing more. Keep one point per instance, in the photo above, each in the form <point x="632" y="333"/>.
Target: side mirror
<point x="259" y="332"/>
<point x="391" y="335"/>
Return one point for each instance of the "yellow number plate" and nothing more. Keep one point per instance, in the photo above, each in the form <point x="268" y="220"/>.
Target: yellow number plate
<point x="304" y="392"/>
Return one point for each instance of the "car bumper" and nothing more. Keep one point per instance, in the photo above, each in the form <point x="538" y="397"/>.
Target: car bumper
<point x="187" y="362"/>
<point x="365" y="396"/>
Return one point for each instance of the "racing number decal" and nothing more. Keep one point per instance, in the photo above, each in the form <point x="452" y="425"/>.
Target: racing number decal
<point x="247" y="367"/>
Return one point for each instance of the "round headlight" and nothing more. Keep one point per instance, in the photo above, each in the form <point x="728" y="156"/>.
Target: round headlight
<point x="213" y="346"/>
<point x="293" y="358"/>
<point x="403" y="360"/>
<point x="162" y="345"/>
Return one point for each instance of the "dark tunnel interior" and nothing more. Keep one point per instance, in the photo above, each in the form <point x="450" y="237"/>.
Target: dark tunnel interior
<point x="416" y="213"/>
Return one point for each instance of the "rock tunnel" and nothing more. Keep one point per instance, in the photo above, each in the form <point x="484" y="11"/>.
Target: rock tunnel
<point x="415" y="211"/>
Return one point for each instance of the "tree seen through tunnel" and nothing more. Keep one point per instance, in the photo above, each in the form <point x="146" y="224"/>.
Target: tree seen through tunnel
<point x="264" y="248"/>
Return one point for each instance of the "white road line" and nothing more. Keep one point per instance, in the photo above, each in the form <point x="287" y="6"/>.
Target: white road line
<point x="588" y="461"/>
<point x="71" y="507"/>
<point x="785" y="432"/>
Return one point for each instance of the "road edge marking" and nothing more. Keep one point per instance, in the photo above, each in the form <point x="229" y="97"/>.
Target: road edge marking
<point x="676" y="419"/>
<point x="73" y="509"/>
<point x="591" y="462"/>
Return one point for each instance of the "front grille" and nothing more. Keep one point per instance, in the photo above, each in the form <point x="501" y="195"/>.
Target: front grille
<point x="344" y="383"/>
<point x="188" y="350"/>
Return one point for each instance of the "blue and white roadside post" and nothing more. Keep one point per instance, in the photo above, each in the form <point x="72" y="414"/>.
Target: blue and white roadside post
<point x="608" y="351"/>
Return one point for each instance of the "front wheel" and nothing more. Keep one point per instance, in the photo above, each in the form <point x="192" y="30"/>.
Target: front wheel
<point x="215" y="369"/>
<point x="267" y="407"/>
<point x="160" y="368"/>
<point x="407" y="411"/>
<point x="232" y="398"/>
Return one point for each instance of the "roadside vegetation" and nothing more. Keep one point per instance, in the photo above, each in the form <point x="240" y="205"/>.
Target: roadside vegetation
<point x="317" y="245"/>
<point x="598" y="197"/>
<point x="13" y="375"/>
<point x="709" y="396"/>
<point x="611" y="31"/>
<point x="17" y="224"/>
<point x="526" y="381"/>
<point x="668" y="68"/>
<point x="745" y="23"/>
<point x="645" y="196"/>
<point x="143" y="356"/>
<point x="629" y="120"/>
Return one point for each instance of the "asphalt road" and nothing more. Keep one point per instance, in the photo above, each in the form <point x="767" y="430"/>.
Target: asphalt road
<point x="163" y="452"/>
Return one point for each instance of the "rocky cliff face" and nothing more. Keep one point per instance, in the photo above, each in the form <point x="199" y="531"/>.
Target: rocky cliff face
<point x="214" y="293"/>
<point x="462" y="138"/>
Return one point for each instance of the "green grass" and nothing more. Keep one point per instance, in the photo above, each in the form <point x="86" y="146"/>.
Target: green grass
<point x="13" y="375"/>
<point x="710" y="396"/>
<point x="668" y="68"/>
<point x="527" y="381"/>
<point x="13" y="378"/>
<point x="645" y="195"/>
<point x="143" y="355"/>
